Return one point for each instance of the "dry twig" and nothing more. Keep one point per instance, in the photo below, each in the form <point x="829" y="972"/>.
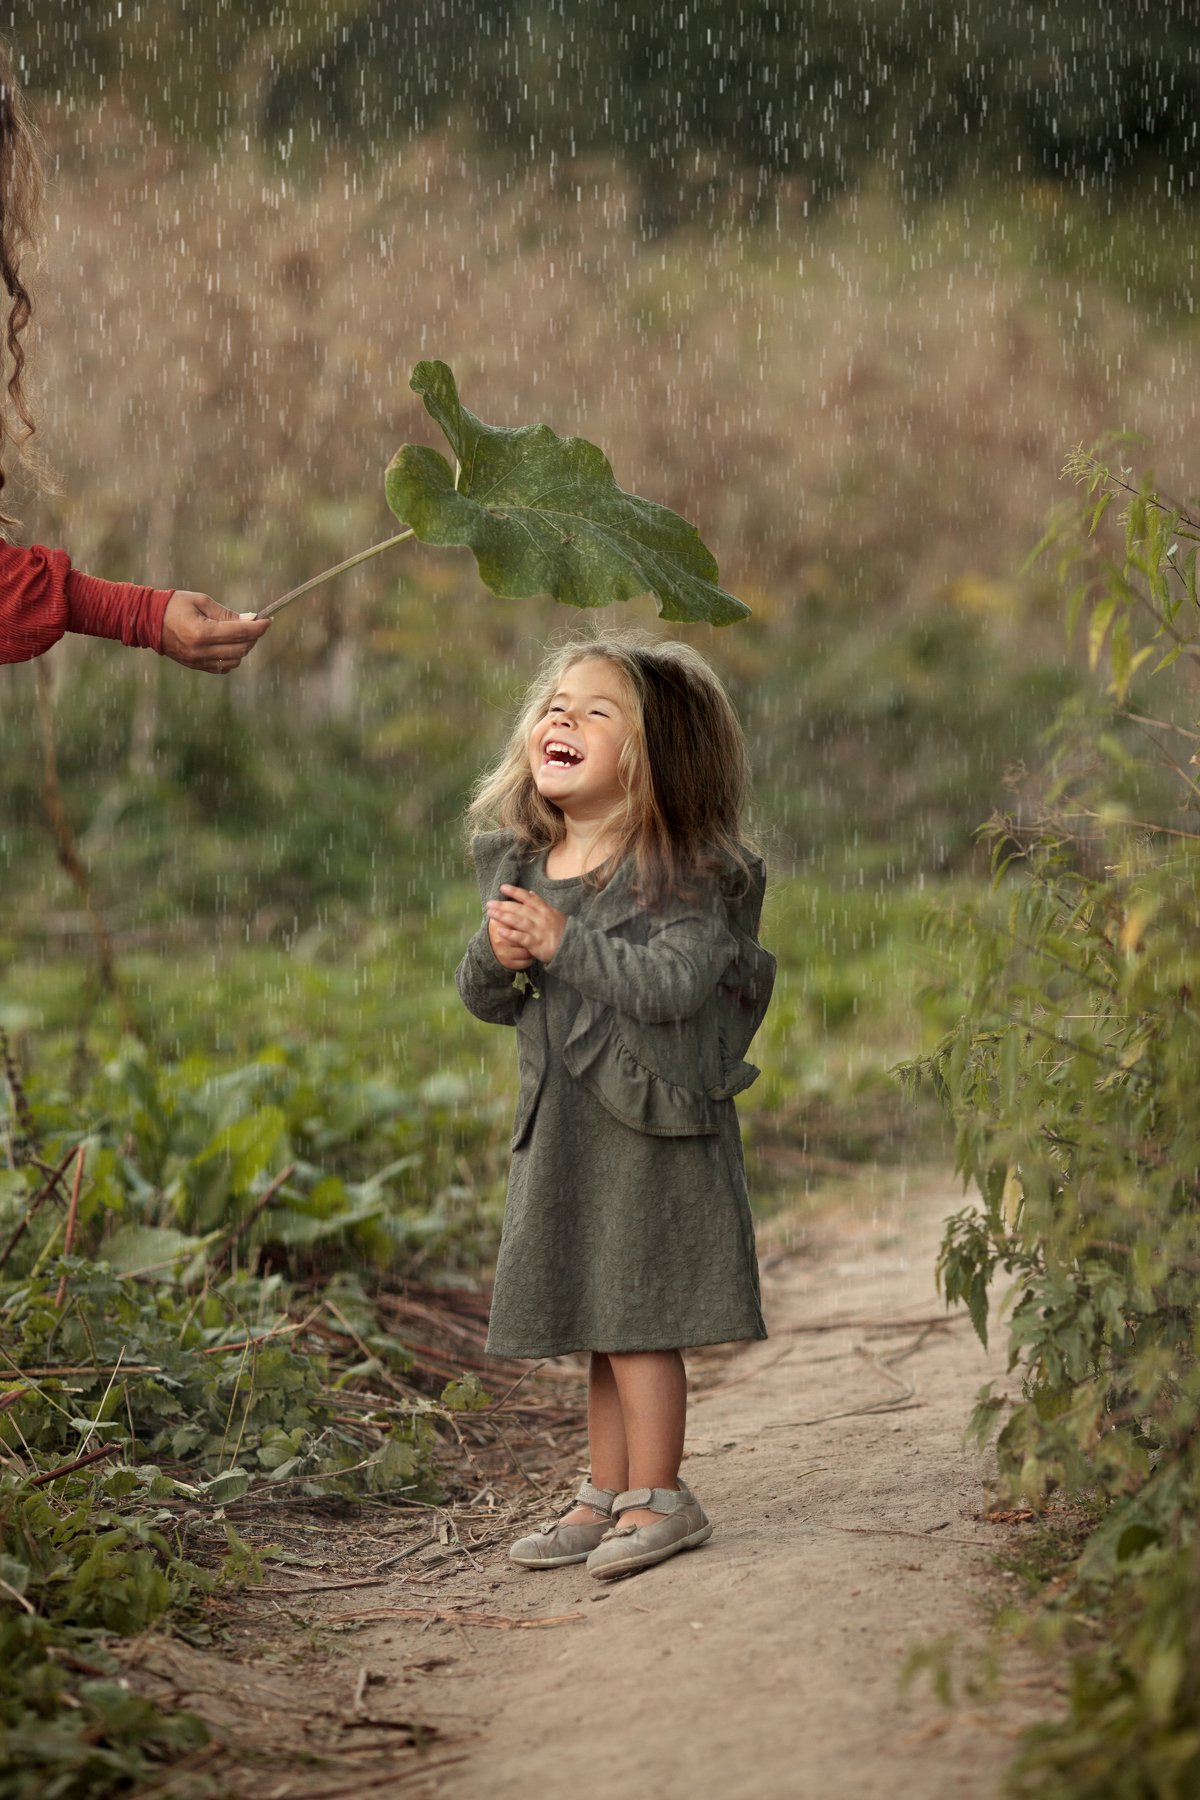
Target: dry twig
<point x="72" y="1215"/>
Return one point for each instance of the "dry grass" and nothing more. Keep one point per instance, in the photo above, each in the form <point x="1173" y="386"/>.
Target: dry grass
<point x="856" y="407"/>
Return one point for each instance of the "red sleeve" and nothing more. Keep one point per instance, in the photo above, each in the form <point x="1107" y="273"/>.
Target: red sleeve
<point x="116" y="609"/>
<point x="42" y="596"/>
<point x="33" y="600"/>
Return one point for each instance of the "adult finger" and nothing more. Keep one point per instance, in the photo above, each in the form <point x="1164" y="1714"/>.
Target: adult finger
<point x="200" y="633"/>
<point x="233" y="637"/>
<point x="215" y="665"/>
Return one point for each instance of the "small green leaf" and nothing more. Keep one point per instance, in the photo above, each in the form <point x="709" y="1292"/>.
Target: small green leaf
<point x="153" y="1248"/>
<point x="544" y="515"/>
<point x="1165" y="1669"/>
<point x="249" y="1144"/>
<point x="14" y="1573"/>
<point x="1098" y="625"/>
<point x="466" y="1395"/>
<point x="230" y="1485"/>
<point x="1136" y="1538"/>
<point x="977" y="1306"/>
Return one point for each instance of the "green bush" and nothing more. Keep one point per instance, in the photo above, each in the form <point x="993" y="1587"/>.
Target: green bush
<point x="1071" y="1083"/>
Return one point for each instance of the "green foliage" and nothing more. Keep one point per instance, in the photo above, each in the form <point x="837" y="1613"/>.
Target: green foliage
<point x="544" y="515"/>
<point x="152" y="1339"/>
<point x="1070" y="1081"/>
<point x="102" y="1742"/>
<point x="175" y="1352"/>
<point x="182" y="1151"/>
<point x="74" y="1569"/>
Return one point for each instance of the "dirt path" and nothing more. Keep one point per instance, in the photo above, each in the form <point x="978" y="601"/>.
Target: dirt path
<point x="765" y="1664"/>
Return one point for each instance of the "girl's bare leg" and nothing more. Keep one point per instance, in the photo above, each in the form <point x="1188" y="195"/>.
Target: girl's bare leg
<point x="652" y="1387"/>
<point x="606" y="1438"/>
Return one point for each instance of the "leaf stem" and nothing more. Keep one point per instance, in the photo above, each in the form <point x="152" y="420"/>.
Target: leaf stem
<point x="351" y="562"/>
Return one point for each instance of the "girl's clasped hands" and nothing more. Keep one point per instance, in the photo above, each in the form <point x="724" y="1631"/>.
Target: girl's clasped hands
<point x="524" y="928"/>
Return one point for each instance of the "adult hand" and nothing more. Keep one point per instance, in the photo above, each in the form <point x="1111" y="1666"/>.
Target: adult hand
<point x="202" y="634"/>
<point x="526" y="922"/>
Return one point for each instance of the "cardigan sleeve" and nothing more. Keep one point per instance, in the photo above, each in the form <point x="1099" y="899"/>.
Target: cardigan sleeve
<point x="42" y="597"/>
<point x="485" y="986"/>
<point x="670" y="977"/>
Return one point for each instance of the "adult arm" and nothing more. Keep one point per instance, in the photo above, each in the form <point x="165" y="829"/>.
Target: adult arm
<point x="42" y="597"/>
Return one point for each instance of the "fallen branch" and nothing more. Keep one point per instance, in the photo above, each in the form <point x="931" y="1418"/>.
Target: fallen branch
<point x="509" y="1392"/>
<point x="393" y="1777"/>
<point x="926" y="1536"/>
<point x="871" y="1324"/>
<point x="254" y="1342"/>
<point x="364" y="1350"/>
<point x="402" y="1555"/>
<point x="439" y="1615"/>
<point x="81" y="1462"/>
<point x="91" y="1369"/>
<point x="319" y="1587"/>
<point x="877" y="1408"/>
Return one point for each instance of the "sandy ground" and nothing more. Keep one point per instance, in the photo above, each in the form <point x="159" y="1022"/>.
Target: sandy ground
<point x="765" y="1664"/>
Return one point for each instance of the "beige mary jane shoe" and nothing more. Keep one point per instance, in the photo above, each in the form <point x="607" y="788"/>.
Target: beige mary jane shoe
<point x="626" y="1548"/>
<point x="557" y="1544"/>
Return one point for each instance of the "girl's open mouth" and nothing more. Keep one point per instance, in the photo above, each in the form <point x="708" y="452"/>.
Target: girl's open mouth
<point x="561" y="755"/>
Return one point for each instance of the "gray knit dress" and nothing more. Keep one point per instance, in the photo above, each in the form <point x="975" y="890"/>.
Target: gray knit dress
<point x="614" y="1238"/>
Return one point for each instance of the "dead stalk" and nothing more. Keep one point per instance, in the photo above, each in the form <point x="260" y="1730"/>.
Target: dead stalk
<point x="72" y="1215"/>
<point x="42" y="1195"/>
<point x="68" y="855"/>
<point x="260" y="1206"/>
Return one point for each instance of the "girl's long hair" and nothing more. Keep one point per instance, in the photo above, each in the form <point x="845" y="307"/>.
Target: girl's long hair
<point x="683" y="769"/>
<point x="20" y="204"/>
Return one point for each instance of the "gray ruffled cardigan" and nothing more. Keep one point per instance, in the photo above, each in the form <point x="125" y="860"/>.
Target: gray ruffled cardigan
<point x="668" y="1002"/>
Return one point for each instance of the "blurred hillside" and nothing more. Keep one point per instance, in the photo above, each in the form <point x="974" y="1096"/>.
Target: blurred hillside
<point x="935" y="94"/>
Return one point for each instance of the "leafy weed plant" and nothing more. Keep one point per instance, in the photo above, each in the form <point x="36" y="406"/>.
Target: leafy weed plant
<point x="1070" y="1082"/>
<point x="153" y="1374"/>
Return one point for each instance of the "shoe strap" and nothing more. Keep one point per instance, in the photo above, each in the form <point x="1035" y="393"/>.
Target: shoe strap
<point x="601" y="1499"/>
<point x="660" y="1500"/>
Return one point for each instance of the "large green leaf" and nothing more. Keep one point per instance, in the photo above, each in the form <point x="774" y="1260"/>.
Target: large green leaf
<point x="544" y="515"/>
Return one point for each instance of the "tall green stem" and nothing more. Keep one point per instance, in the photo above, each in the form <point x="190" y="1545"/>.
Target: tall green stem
<point x="351" y="562"/>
